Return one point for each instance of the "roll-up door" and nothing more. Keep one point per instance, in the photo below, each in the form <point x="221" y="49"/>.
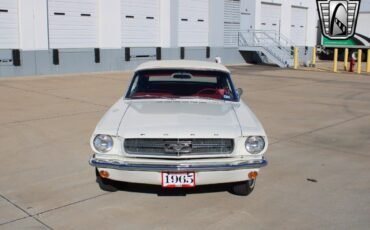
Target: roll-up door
<point x="193" y="23"/>
<point x="9" y="24"/>
<point x="231" y="22"/>
<point x="298" y="28"/>
<point x="140" y="23"/>
<point x="270" y="16"/>
<point x="73" y="24"/>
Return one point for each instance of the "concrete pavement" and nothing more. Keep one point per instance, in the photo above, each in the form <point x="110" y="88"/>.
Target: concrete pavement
<point x="318" y="124"/>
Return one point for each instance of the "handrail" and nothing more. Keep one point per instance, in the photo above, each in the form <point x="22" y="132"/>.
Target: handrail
<point x="276" y="44"/>
<point x="280" y="35"/>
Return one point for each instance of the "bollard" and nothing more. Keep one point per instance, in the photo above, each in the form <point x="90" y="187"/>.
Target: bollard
<point x="359" y="61"/>
<point x="295" y="58"/>
<point x="313" y="57"/>
<point x="346" y="59"/>
<point x="368" y="61"/>
<point x="335" y="64"/>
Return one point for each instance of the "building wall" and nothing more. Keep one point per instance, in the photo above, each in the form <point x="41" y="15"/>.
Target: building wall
<point x="253" y="7"/>
<point x="37" y="58"/>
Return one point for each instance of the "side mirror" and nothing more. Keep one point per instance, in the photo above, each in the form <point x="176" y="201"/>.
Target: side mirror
<point x="240" y="91"/>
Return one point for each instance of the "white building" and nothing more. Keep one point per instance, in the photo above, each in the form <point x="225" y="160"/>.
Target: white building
<point x="59" y="36"/>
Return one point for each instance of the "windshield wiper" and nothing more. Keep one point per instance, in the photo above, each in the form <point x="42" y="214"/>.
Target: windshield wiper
<point x="197" y="97"/>
<point x="152" y="96"/>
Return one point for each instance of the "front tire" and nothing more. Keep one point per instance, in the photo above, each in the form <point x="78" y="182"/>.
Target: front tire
<point x="243" y="188"/>
<point x="105" y="184"/>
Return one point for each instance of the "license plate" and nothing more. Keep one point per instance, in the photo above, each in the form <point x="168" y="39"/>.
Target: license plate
<point x="178" y="180"/>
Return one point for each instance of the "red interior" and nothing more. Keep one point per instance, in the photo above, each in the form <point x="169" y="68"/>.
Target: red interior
<point x="215" y="93"/>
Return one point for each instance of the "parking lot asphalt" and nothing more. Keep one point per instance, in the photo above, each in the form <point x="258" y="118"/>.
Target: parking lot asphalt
<point x="318" y="176"/>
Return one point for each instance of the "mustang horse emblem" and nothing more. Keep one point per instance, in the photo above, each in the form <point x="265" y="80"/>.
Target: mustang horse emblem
<point x="178" y="147"/>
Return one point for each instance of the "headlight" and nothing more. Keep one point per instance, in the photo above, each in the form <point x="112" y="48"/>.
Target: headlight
<point x="255" y="145"/>
<point x="103" y="143"/>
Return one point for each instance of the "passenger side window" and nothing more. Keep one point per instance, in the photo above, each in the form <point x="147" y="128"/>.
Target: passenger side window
<point x="134" y="86"/>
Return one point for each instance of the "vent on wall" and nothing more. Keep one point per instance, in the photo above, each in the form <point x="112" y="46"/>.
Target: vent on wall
<point x="16" y="57"/>
<point x="3" y="11"/>
<point x="97" y="55"/>
<point x="159" y="53"/>
<point x="208" y="52"/>
<point x="182" y="52"/>
<point x="55" y="56"/>
<point x="127" y="54"/>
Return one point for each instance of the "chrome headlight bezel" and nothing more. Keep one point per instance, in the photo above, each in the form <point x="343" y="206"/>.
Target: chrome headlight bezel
<point x="255" y="144"/>
<point x="103" y="143"/>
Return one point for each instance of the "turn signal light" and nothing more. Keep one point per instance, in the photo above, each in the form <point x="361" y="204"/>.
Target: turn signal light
<point x="104" y="174"/>
<point x="253" y="175"/>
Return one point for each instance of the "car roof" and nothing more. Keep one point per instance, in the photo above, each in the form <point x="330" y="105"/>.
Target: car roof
<point x="182" y="64"/>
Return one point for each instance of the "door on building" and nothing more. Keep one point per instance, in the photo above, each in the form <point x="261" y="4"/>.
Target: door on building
<point x="298" y="30"/>
<point x="231" y="22"/>
<point x="73" y="24"/>
<point x="9" y="24"/>
<point x="246" y="16"/>
<point x="270" y="17"/>
<point x="193" y="23"/>
<point x="140" y="23"/>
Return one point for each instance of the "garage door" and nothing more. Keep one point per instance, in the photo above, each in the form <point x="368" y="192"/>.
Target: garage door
<point x="270" y="17"/>
<point x="299" y="26"/>
<point x="193" y="23"/>
<point x="140" y="23"/>
<point x="9" y="24"/>
<point x="231" y="22"/>
<point x="73" y="24"/>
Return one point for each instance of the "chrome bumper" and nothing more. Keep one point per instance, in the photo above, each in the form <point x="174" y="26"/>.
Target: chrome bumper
<point x="128" y="166"/>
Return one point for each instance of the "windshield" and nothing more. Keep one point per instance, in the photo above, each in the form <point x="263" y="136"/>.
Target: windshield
<point x="214" y="85"/>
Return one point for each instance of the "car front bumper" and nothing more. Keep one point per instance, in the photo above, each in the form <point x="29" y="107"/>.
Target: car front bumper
<point x="206" y="173"/>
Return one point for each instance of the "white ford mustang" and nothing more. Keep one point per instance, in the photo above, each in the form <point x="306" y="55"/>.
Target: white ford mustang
<point x="180" y="124"/>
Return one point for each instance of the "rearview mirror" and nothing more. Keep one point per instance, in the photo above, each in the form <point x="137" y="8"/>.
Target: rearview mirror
<point x="240" y="91"/>
<point x="182" y="76"/>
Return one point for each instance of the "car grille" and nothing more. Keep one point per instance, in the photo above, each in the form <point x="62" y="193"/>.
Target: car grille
<point x="178" y="147"/>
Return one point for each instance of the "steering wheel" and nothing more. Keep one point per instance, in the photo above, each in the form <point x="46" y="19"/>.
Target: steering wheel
<point x="208" y="91"/>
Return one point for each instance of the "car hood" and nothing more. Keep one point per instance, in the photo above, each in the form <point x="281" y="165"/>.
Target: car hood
<point x="184" y="119"/>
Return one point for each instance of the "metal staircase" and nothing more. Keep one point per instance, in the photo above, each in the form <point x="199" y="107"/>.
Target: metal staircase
<point x="276" y="47"/>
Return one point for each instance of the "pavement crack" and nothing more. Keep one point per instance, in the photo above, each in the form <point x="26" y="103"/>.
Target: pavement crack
<point x="70" y="204"/>
<point x="53" y="95"/>
<point x="321" y="128"/>
<point x="23" y="210"/>
<point x="50" y="118"/>
<point x="11" y="221"/>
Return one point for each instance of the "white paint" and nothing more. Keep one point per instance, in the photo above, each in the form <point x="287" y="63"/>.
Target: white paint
<point x="193" y="23"/>
<point x="165" y="23"/>
<point x="287" y="20"/>
<point x="110" y="24"/>
<point x="270" y="17"/>
<point x="298" y="26"/>
<point x="73" y="30"/>
<point x="247" y="15"/>
<point x="231" y="22"/>
<point x="250" y="11"/>
<point x="28" y="29"/>
<point x="140" y="23"/>
<point x="216" y="32"/>
<point x="9" y="24"/>
<point x="33" y="26"/>
<point x="363" y="24"/>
